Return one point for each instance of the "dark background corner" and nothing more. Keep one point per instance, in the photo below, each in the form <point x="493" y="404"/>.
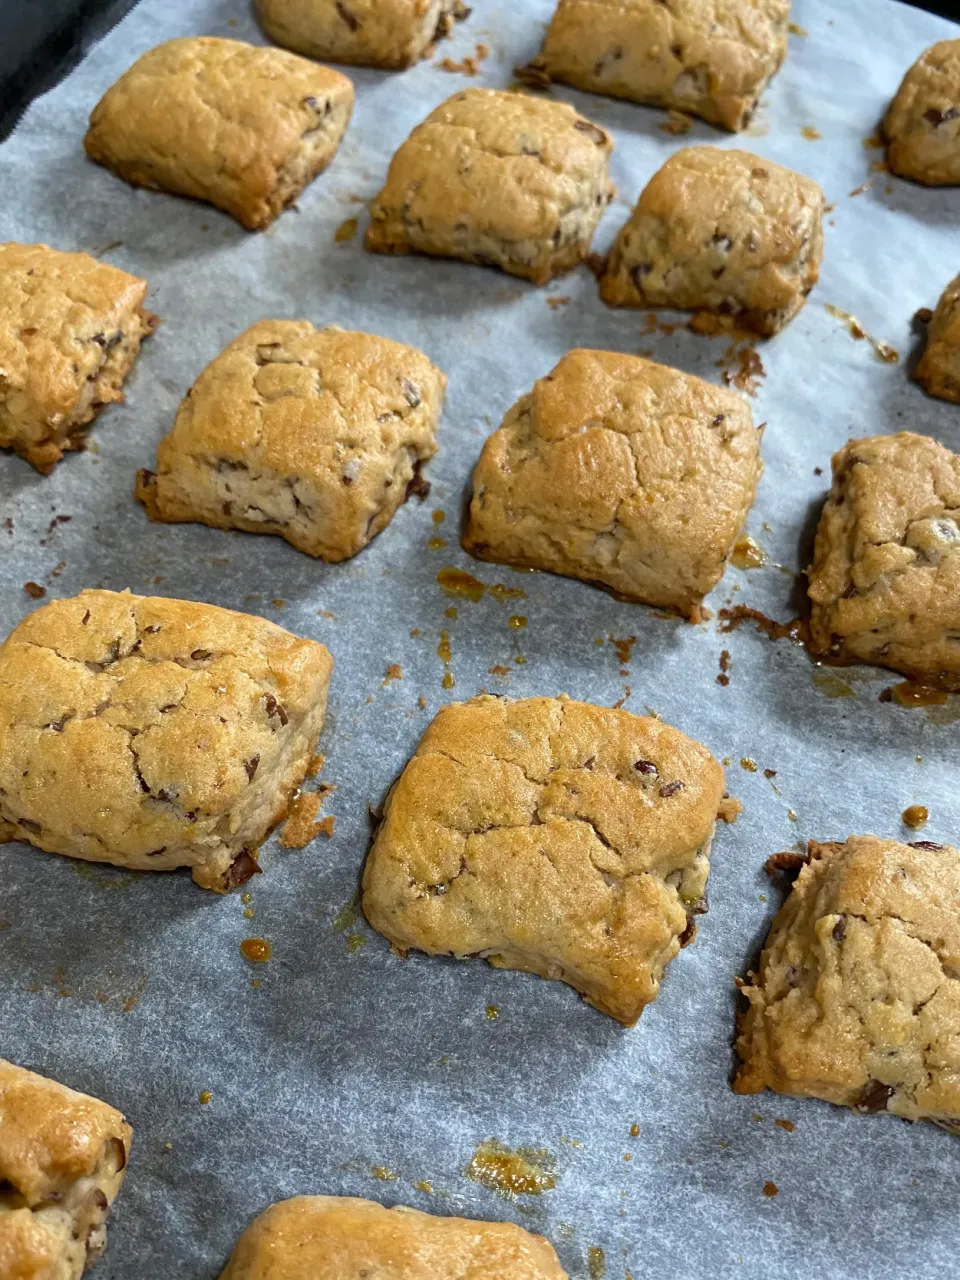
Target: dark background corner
<point x="43" y="40"/>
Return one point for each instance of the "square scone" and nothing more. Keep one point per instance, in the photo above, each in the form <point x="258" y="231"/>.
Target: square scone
<point x="153" y="733"/>
<point x="713" y="58"/>
<point x="622" y="472"/>
<point x="70" y="330"/>
<point x="720" y="231"/>
<point x="62" y="1160"/>
<point x="922" y="124"/>
<point x="392" y="34"/>
<point x="315" y="435"/>
<point x="501" y="179"/>
<point x="242" y="127"/>
<point x="885" y="579"/>
<point x="857" y="998"/>
<point x="341" y="1237"/>
<point x="938" y="369"/>
<point x="552" y="836"/>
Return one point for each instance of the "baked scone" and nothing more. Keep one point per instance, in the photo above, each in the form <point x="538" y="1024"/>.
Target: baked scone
<point x="922" y="123"/>
<point x="857" y="1000"/>
<point x="345" y="1238"/>
<point x="70" y="328"/>
<point x="62" y="1160"/>
<point x="713" y="58"/>
<point x="722" y="231"/>
<point x="551" y="836"/>
<point x="621" y="472"/>
<point x="243" y="127"/>
<point x="938" y="369"/>
<point x="154" y="733"/>
<point x="885" y="579"/>
<point x="502" y="179"/>
<point x="317" y="435"/>
<point x="392" y="34"/>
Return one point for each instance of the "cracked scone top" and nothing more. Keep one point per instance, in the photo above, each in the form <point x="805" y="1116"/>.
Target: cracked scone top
<point x="922" y="124"/>
<point x="721" y="230"/>
<point x="496" y="178"/>
<point x="885" y="579"/>
<point x="154" y="733"/>
<point x="243" y="127"/>
<point x="375" y="33"/>
<point x="70" y="328"/>
<point x="317" y="436"/>
<point x="62" y="1160"/>
<point x="938" y="369"/>
<point x="857" y="999"/>
<point x="342" y="1237"/>
<point x="621" y="472"/>
<point x="552" y="836"/>
<point x="713" y="58"/>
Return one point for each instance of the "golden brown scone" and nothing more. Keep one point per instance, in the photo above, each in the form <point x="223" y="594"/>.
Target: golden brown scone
<point x="501" y="179"/>
<point x="154" y="733"/>
<point x="723" y="231"/>
<point x="857" y="1000"/>
<point x="938" y="369"/>
<point x="374" y="33"/>
<point x="242" y="127"/>
<point x="550" y="836"/>
<point x="621" y="472"/>
<point x="70" y="328"/>
<point x="343" y="1238"/>
<point x="317" y="435"/>
<point x="922" y="123"/>
<point x="885" y="579"/>
<point x="713" y="58"/>
<point x="62" y="1160"/>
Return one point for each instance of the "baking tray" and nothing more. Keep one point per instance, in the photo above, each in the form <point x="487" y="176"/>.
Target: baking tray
<point x="337" y="1067"/>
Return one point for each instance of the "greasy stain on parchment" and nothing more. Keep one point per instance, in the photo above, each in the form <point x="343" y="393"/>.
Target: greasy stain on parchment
<point x="123" y="991"/>
<point x="457" y="582"/>
<point x="526" y="1171"/>
<point x="102" y="878"/>
<point x="832" y="685"/>
<point x="348" y="915"/>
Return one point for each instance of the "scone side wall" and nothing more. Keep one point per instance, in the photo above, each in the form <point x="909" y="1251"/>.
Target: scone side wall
<point x="74" y="329"/>
<point x="62" y="1158"/>
<point x="197" y="722"/>
<point x="549" y="168"/>
<point x="318" y="1237"/>
<point x="703" y="61"/>
<point x="856" y="999"/>
<point x="665" y="444"/>
<point x="922" y="123"/>
<point x="316" y="436"/>
<point x="605" y="816"/>
<point x="286" y="112"/>
<point x="391" y="34"/>
<point x="886" y="559"/>
<point x="938" y="369"/>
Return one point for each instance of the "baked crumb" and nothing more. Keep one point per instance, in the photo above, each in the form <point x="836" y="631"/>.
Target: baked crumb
<point x="301" y="826"/>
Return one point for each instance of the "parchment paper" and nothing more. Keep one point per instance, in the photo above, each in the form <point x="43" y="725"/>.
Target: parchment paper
<point x="346" y="1059"/>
